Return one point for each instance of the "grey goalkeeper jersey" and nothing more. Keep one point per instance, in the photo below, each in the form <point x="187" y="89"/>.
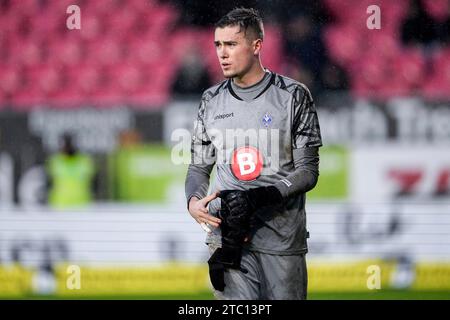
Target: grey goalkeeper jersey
<point x="253" y="143"/>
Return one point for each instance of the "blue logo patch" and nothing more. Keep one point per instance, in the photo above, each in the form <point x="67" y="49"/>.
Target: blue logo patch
<point x="267" y="120"/>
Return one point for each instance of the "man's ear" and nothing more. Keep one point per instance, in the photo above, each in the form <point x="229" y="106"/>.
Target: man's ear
<point x="257" y="46"/>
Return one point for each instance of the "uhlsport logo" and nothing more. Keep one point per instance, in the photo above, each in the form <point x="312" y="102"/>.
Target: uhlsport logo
<point x="224" y="116"/>
<point x="247" y="163"/>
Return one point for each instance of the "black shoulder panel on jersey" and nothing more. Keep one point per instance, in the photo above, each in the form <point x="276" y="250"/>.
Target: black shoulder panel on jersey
<point x="213" y="91"/>
<point x="230" y="88"/>
<point x="222" y="84"/>
<point x="282" y="84"/>
<point x="271" y="82"/>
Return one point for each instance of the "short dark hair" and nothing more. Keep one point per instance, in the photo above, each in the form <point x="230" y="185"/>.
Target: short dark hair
<point x="246" y="19"/>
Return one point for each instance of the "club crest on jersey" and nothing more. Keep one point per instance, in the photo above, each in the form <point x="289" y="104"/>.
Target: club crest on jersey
<point x="247" y="163"/>
<point x="267" y="120"/>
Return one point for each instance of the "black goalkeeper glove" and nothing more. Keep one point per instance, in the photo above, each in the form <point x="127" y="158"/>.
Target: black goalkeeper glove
<point x="236" y="214"/>
<point x="247" y="202"/>
<point x="234" y="228"/>
<point x="226" y="257"/>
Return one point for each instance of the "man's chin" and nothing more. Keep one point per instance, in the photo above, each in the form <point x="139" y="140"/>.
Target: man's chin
<point x="229" y="75"/>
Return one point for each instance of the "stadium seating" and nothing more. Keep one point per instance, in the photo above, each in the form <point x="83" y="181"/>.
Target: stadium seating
<point x="438" y="9"/>
<point x="437" y="85"/>
<point x="379" y="65"/>
<point x="126" y="52"/>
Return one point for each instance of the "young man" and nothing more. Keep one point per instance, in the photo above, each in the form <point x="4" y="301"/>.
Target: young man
<point x="261" y="131"/>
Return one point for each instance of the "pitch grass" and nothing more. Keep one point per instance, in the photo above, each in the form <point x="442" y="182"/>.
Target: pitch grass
<point x="206" y="295"/>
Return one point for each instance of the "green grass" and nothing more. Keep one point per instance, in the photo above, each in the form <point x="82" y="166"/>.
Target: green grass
<point x="206" y="295"/>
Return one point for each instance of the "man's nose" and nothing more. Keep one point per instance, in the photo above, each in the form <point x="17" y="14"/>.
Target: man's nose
<point x="223" y="53"/>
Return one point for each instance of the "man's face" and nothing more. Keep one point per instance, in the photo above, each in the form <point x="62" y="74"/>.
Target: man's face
<point x="236" y="53"/>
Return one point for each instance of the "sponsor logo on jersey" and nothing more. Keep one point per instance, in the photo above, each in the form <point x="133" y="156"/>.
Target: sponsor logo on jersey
<point x="247" y="163"/>
<point x="267" y="119"/>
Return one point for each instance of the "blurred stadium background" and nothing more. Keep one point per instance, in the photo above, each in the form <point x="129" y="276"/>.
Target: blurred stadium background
<point x="124" y="83"/>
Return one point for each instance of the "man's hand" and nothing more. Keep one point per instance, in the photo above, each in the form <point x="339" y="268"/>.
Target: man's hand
<point x="198" y="210"/>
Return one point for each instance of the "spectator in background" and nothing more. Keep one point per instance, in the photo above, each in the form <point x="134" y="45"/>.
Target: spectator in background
<point x="206" y="13"/>
<point x="418" y="28"/>
<point x="444" y="30"/>
<point x="334" y="78"/>
<point x="302" y="23"/>
<point x="192" y="77"/>
<point x="295" y="71"/>
<point x="280" y="11"/>
<point x="71" y="174"/>
<point x="129" y="138"/>
<point x="303" y="42"/>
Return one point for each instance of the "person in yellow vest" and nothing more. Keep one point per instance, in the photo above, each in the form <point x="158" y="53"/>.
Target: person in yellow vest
<point x="71" y="174"/>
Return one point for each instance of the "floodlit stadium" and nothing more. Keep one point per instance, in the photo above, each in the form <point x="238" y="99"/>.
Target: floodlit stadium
<point x="98" y="101"/>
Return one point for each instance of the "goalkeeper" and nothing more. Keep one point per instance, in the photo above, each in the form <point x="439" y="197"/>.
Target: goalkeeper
<point x="261" y="130"/>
